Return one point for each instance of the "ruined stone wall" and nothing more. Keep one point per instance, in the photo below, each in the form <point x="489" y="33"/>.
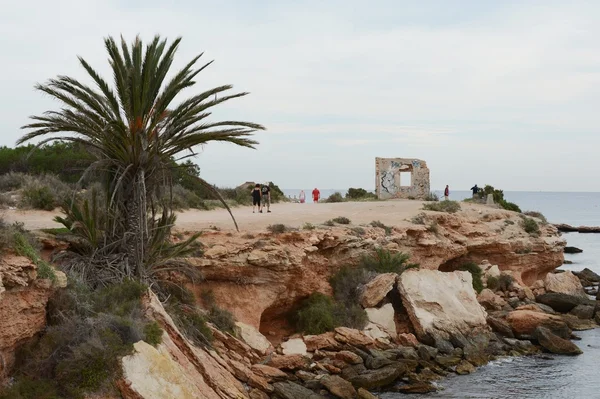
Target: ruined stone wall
<point x="388" y="178"/>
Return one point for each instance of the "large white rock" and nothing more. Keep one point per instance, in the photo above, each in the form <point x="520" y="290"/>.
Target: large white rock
<point x="294" y="346"/>
<point x="441" y="304"/>
<point x="384" y="318"/>
<point x="375" y="332"/>
<point x="253" y="338"/>
<point x="564" y="283"/>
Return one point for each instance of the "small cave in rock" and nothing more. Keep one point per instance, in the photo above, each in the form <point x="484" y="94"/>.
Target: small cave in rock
<point x="454" y="264"/>
<point x="401" y="319"/>
<point x="277" y="322"/>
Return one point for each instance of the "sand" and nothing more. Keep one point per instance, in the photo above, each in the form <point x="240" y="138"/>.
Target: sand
<point x="392" y="212"/>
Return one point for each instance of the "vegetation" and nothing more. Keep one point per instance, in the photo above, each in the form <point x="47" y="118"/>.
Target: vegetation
<point x="316" y="315"/>
<point x="492" y="283"/>
<point x="308" y="226"/>
<point x="433" y="228"/>
<point x="277" y="228"/>
<point x="498" y="196"/>
<point x="335" y="197"/>
<point x="358" y="231"/>
<point x="538" y="215"/>
<point x="476" y="273"/>
<point x="23" y="247"/>
<point x="359" y="194"/>
<point x="419" y="219"/>
<point x="329" y="223"/>
<point x="341" y="220"/>
<point x="442" y="206"/>
<point x="505" y="281"/>
<point x="380" y="225"/>
<point x="432" y="197"/>
<point x="221" y="318"/>
<point x="530" y="226"/>
<point x="384" y="261"/>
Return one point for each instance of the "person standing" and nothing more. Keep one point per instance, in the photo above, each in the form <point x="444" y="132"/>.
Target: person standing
<point x="266" y="197"/>
<point x="316" y="194"/>
<point x="302" y="197"/>
<point x="447" y="193"/>
<point x="475" y="190"/>
<point x="256" y="198"/>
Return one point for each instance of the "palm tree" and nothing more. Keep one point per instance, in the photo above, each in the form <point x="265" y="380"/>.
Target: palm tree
<point x="135" y="130"/>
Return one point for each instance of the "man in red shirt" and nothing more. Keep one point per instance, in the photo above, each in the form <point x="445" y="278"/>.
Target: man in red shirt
<point x="316" y="195"/>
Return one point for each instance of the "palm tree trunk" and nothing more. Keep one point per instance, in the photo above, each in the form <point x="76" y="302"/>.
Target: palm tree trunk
<point x="136" y="226"/>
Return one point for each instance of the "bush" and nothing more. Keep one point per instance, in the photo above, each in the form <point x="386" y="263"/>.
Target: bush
<point x="360" y="194"/>
<point x="350" y="315"/>
<point x="359" y="231"/>
<point x="39" y="197"/>
<point x="22" y="246"/>
<point x="538" y="215"/>
<point x="419" y="219"/>
<point x="342" y="220"/>
<point x="432" y="197"/>
<point x="29" y="388"/>
<point x="308" y="226"/>
<point x="510" y="206"/>
<point x="277" y="228"/>
<point x="476" y="273"/>
<point x="378" y="224"/>
<point x="316" y="315"/>
<point x="530" y="226"/>
<point x="433" y="228"/>
<point x="221" y="318"/>
<point x="182" y="198"/>
<point x="153" y="333"/>
<point x="383" y="261"/>
<point x="329" y="223"/>
<point x="508" y="222"/>
<point x="505" y="281"/>
<point x="335" y="197"/>
<point x="442" y="206"/>
<point x="11" y="181"/>
<point x="346" y="283"/>
<point x="492" y="283"/>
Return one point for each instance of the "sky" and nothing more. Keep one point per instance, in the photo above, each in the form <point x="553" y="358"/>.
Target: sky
<point x="505" y="93"/>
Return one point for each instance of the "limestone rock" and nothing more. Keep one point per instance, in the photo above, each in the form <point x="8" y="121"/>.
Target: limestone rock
<point x="564" y="283"/>
<point x="215" y="251"/>
<point x="556" y="344"/>
<point x="348" y="357"/>
<point x="583" y="311"/>
<point x="353" y="337"/>
<point x="364" y="394"/>
<point x="562" y="302"/>
<point x="525" y="322"/>
<point x="253" y="338"/>
<point x="321" y="341"/>
<point x="489" y="300"/>
<point x="294" y="346"/>
<point x="291" y="390"/>
<point x="441" y="304"/>
<point x="375" y="290"/>
<point x="588" y="275"/>
<point x="339" y="387"/>
<point x="384" y="318"/>
<point x="577" y="324"/>
<point x="373" y="331"/>
<point x="465" y="368"/>
<point x="288" y="362"/>
<point x="269" y="373"/>
<point x="417" y="387"/>
<point x="500" y="326"/>
<point x="378" y="378"/>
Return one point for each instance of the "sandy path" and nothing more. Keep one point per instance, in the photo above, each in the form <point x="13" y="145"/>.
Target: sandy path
<point x="389" y="212"/>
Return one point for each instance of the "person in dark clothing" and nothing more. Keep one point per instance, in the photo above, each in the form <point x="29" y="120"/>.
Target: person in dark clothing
<point x="446" y="192"/>
<point x="256" y="194"/>
<point x="475" y="190"/>
<point x="266" y="197"/>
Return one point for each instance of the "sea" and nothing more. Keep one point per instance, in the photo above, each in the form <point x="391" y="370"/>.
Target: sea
<point x="545" y="376"/>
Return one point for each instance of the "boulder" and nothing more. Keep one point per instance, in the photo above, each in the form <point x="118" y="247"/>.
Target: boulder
<point x="269" y="373"/>
<point x="378" y="378"/>
<point x="348" y="357"/>
<point x="407" y="339"/>
<point x="215" y="251"/>
<point x="572" y="250"/>
<point x="554" y="343"/>
<point x="417" y="387"/>
<point x="577" y="324"/>
<point x="564" y="283"/>
<point x="377" y="289"/>
<point x="490" y="301"/>
<point x="364" y="394"/>
<point x="560" y="302"/>
<point x="588" y="275"/>
<point x="353" y="337"/>
<point x="465" y="368"/>
<point x="500" y="326"/>
<point x="384" y="318"/>
<point x="525" y="322"/>
<point x="294" y="346"/>
<point x="288" y="362"/>
<point x="339" y="387"/>
<point x="583" y="311"/>
<point x="257" y="394"/>
<point x="441" y="304"/>
<point x="493" y="271"/>
<point x="253" y="338"/>
<point x="373" y="331"/>
<point x="322" y="341"/>
<point x="291" y="390"/>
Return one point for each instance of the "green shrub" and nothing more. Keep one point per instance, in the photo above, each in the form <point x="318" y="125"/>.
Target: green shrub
<point x="358" y="231"/>
<point x="538" y="215"/>
<point x="22" y="246"/>
<point x="530" y="226"/>
<point x="28" y="388"/>
<point x="316" y="315"/>
<point x="39" y="197"/>
<point x="277" y="228"/>
<point x="11" y="181"/>
<point x="350" y="315"/>
<point x="384" y="261"/>
<point x="329" y="223"/>
<point x="357" y="194"/>
<point x="378" y="224"/>
<point x="308" y="226"/>
<point x="153" y="333"/>
<point x="505" y="281"/>
<point x="510" y="206"/>
<point x="508" y="222"/>
<point x="476" y="273"/>
<point x="341" y="220"/>
<point x="335" y="197"/>
<point x="443" y="206"/>
<point x="419" y="219"/>
<point x="346" y="283"/>
<point x="221" y="318"/>
<point x="432" y="197"/>
<point x="433" y="228"/>
<point x="493" y="283"/>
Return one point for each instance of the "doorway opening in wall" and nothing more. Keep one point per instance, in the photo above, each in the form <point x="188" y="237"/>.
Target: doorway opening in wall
<point x="405" y="179"/>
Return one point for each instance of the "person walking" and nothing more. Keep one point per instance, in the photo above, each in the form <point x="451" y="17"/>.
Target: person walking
<point x="447" y="193"/>
<point x="316" y="194"/>
<point x="266" y="197"/>
<point x="302" y="197"/>
<point x="256" y="194"/>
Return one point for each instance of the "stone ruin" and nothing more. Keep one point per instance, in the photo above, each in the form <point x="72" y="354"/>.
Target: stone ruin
<point x="406" y="178"/>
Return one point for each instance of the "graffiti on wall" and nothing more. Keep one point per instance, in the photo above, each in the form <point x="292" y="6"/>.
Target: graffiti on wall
<point x="388" y="182"/>
<point x="388" y="175"/>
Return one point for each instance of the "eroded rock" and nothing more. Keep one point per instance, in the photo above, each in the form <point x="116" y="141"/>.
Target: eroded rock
<point x="564" y="283"/>
<point x="556" y="344"/>
<point x="377" y="289"/>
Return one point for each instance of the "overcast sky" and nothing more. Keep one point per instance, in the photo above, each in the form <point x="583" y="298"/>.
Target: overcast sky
<point x="499" y="92"/>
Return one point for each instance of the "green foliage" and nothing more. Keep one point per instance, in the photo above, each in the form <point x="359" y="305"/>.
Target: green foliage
<point x="505" y="281"/>
<point x="39" y="198"/>
<point x="530" y="226"/>
<point x="316" y="314"/>
<point x="357" y="194"/>
<point x="476" y="273"/>
<point x="308" y="226"/>
<point x="350" y="315"/>
<point x="380" y="225"/>
<point x="537" y="215"/>
<point x="221" y="318"/>
<point x="153" y="333"/>
<point x="341" y="220"/>
<point x="510" y="206"/>
<point x="23" y="247"/>
<point x="384" y="261"/>
<point x="443" y="206"/>
<point x="493" y="283"/>
<point x="29" y="388"/>
<point x="335" y="197"/>
<point x="498" y="196"/>
<point x="432" y="197"/>
<point x="433" y="227"/>
<point x="419" y="219"/>
<point x="190" y="322"/>
<point x="508" y="222"/>
<point x="329" y="223"/>
<point x="277" y="228"/>
<point x="358" y="231"/>
<point x="346" y="283"/>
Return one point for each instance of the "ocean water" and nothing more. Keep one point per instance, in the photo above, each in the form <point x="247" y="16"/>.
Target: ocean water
<point x="537" y="377"/>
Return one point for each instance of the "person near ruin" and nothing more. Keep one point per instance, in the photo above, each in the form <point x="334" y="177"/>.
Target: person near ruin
<point x="256" y="194"/>
<point x="316" y="194"/>
<point x="302" y="197"/>
<point x="446" y="192"/>
<point x="266" y="197"/>
<point x="475" y="190"/>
